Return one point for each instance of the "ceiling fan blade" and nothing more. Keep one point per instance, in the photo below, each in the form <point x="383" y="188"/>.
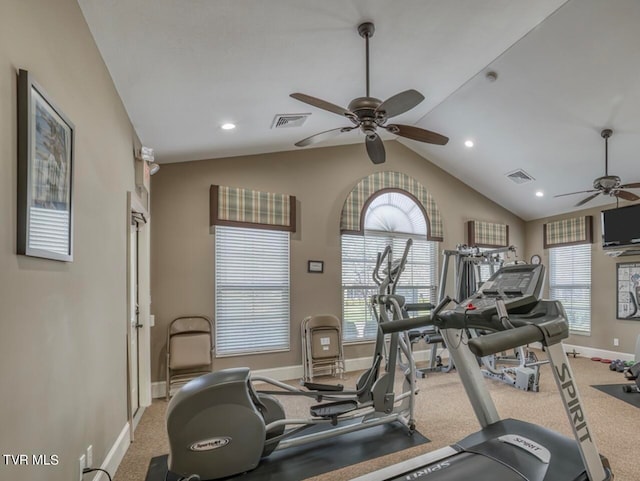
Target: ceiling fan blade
<point x="416" y="133"/>
<point x="634" y="185"/>
<point x="579" y="192"/>
<point x="324" y="105"/>
<point x="400" y="103"/>
<point x="623" y="194"/>
<point x="587" y="199"/>
<point x="375" y="148"/>
<point x="322" y="136"/>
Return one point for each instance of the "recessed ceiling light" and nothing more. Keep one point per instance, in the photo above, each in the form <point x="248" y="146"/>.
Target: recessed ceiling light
<point x="228" y="126"/>
<point x="539" y="194"/>
<point x="468" y="143"/>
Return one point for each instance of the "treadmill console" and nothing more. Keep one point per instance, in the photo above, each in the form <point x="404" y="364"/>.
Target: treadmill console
<point x="518" y="285"/>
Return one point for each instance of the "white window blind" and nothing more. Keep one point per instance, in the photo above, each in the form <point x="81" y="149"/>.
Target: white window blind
<point x="570" y="283"/>
<point x="252" y="290"/>
<point x="418" y="282"/>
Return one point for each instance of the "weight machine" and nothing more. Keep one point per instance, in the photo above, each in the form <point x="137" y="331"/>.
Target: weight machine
<point x="474" y="266"/>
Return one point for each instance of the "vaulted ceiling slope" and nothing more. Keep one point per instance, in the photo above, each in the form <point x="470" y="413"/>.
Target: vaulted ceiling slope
<point x="565" y="70"/>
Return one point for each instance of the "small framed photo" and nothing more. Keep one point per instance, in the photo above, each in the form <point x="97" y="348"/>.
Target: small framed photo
<point x="45" y="175"/>
<point x="316" y="267"/>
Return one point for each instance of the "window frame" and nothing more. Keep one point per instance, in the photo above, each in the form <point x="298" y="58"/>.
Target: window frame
<point x="251" y="290"/>
<point x="575" y="326"/>
<point x="369" y="287"/>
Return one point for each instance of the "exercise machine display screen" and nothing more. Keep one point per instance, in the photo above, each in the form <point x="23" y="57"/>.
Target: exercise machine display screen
<point x="518" y="285"/>
<point x="508" y="283"/>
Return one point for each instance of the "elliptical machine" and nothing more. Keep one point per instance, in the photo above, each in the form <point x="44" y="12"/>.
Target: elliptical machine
<point x="220" y="424"/>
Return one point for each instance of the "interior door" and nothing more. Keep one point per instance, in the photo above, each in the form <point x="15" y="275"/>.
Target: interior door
<point x="134" y="319"/>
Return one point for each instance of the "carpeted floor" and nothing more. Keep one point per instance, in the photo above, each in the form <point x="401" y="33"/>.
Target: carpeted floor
<point x="444" y="415"/>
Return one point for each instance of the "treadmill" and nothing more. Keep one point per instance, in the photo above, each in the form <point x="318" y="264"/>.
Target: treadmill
<point x="505" y="449"/>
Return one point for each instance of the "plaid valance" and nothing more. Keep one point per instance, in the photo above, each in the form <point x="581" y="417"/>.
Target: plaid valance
<point x="352" y="220"/>
<point x="487" y="234"/>
<point x="251" y="208"/>
<point x="577" y="230"/>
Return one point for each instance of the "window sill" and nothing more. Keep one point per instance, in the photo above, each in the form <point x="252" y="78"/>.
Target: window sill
<point x="358" y="342"/>
<point x="579" y="333"/>
<point x="251" y="353"/>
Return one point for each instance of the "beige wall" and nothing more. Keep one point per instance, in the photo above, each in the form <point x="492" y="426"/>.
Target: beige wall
<point x="62" y="337"/>
<point x="182" y="248"/>
<point x="604" y="325"/>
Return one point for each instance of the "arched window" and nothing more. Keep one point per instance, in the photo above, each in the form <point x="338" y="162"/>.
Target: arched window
<point x="390" y="218"/>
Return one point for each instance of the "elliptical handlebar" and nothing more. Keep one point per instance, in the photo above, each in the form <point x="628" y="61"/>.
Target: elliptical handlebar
<point x="393" y="269"/>
<point x="379" y="260"/>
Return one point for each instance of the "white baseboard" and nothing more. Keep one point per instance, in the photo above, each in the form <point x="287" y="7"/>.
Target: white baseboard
<point x="280" y="373"/>
<point x="287" y="373"/>
<point x="602" y="353"/>
<point x="114" y="456"/>
<point x="157" y="389"/>
<point x="296" y="372"/>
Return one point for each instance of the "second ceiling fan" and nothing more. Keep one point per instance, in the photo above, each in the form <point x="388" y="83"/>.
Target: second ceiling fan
<point x="607" y="184"/>
<point x="369" y="113"/>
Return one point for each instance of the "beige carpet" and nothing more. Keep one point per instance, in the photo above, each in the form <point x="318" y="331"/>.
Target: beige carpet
<point x="445" y="416"/>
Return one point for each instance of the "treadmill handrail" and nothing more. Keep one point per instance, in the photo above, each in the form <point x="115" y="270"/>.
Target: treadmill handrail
<point x="511" y="338"/>
<point x="414" y="322"/>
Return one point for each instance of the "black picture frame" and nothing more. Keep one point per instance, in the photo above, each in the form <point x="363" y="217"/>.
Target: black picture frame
<point x="45" y="174"/>
<point x="628" y="291"/>
<point x="315" y="267"/>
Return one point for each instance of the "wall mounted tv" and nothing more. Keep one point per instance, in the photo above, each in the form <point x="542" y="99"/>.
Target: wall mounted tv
<point x="621" y="227"/>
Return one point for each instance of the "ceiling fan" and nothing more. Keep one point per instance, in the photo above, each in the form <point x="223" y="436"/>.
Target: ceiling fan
<point x="369" y="113"/>
<point x="607" y="184"/>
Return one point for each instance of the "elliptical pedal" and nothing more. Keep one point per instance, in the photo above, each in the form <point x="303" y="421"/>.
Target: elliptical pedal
<point x="333" y="409"/>
<point x="316" y="386"/>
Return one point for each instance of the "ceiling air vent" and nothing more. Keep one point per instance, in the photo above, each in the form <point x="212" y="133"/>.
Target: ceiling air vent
<point x="285" y="121"/>
<point x="520" y="176"/>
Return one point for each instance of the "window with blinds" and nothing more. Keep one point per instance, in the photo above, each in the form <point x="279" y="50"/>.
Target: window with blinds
<point x="570" y="283"/>
<point x="418" y="282"/>
<point x="391" y="219"/>
<point x="252" y="290"/>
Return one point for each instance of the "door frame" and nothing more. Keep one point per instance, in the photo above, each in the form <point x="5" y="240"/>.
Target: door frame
<point x="144" y="305"/>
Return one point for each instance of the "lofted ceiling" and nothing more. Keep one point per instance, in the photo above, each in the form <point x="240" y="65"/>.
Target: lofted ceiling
<point x="565" y="70"/>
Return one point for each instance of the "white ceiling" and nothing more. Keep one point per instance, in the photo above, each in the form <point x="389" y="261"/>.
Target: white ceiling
<point x="566" y="69"/>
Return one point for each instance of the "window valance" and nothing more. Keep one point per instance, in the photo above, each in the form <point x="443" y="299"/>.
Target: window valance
<point x="574" y="231"/>
<point x="238" y="207"/>
<point x="487" y="234"/>
<point x="352" y="218"/>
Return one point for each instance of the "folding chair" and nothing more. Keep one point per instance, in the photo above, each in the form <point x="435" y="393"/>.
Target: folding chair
<point x="189" y="350"/>
<point x="322" y="346"/>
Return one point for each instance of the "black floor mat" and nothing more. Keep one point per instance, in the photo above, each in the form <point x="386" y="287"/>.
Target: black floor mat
<point x="301" y="462"/>
<point x="616" y="391"/>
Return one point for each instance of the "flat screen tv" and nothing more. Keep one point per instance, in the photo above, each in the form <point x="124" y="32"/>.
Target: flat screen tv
<point x="621" y="227"/>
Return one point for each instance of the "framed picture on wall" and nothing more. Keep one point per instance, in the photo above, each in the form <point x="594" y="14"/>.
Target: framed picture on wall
<point x="628" y="290"/>
<point x="315" y="267"/>
<point x="45" y="175"/>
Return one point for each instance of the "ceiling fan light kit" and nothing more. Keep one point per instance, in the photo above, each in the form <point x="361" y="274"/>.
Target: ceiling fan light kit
<point x="369" y="113"/>
<point x="607" y="184"/>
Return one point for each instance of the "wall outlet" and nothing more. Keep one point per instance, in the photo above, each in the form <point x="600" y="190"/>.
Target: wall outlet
<point x="616" y="341"/>
<point x="83" y="464"/>
<point x="90" y="456"/>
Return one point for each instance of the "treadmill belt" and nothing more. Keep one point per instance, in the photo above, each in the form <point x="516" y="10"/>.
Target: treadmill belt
<point x="467" y="466"/>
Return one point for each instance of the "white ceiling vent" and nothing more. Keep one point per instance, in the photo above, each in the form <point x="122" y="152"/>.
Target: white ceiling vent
<point x="519" y="176"/>
<point x="285" y="121"/>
